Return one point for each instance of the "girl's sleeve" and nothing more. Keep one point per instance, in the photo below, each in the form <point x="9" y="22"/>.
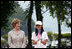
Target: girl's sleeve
<point x="33" y="36"/>
<point x="45" y="35"/>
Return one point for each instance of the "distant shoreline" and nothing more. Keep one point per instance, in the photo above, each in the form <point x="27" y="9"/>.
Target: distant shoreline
<point x="63" y="32"/>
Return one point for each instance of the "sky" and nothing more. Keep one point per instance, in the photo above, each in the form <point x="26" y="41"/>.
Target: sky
<point x="49" y="23"/>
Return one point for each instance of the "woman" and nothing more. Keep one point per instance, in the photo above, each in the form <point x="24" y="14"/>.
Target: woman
<point x="16" y="37"/>
<point x="39" y="37"/>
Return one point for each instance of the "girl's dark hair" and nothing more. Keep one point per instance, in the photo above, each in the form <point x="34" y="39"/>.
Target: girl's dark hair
<point x="36" y="31"/>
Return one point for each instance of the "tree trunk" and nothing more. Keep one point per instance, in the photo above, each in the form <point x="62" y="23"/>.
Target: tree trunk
<point x="38" y="10"/>
<point x="29" y="25"/>
<point x="59" y="34"/>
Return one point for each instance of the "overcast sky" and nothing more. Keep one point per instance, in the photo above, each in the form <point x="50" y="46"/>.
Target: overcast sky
<point x="49" y="23"/>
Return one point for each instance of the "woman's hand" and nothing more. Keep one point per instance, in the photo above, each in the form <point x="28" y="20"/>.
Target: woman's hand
<point x="34" y="42"/>
<point x="44" y="42"/>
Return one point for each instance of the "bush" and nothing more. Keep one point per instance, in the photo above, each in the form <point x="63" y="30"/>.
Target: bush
<point x="5" y="37"/>
<point x="55" y="35"/>
<point x="50" y="35"/>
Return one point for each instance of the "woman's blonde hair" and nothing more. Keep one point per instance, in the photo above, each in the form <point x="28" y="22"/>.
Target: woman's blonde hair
<point x="15" y="21"/>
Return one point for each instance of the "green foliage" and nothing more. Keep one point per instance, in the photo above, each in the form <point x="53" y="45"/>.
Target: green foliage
<point x="59" y="9"/>
<point x="56" y="36"/>
<point x="66" y="35"/>
<point x="5" y="37"/>
<point x="2" y="42"/>
<point x="50" y="35"/>
<point x="7" y="8"/>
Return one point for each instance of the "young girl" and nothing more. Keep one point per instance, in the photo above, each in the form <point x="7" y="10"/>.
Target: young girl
<point x="39" y="37"/>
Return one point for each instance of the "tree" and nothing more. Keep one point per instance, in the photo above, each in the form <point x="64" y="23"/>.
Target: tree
<point x="7" y="8"/>
<point x="38" y="10"/>
<point x="29" y="25"/>
<point x="59" y="9"/>
<point x="5" y="15"/>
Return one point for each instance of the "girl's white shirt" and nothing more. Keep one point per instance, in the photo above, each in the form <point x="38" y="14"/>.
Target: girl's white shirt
<point x="39" y="44"/>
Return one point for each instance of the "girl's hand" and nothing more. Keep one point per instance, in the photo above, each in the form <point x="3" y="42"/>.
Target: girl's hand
<point x="44" y="42"/>
<point x="34" y="42"/>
